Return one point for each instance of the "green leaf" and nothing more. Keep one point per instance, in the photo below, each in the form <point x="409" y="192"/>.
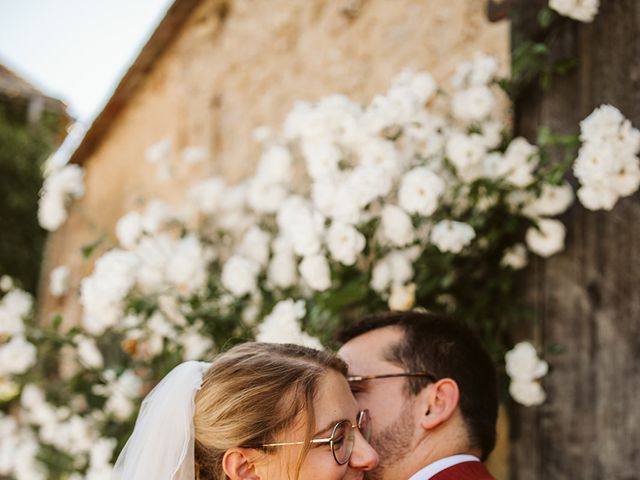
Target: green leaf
<point x="57" y="322"/>
<point x="88" y="249"/>
<point x="546" y="16"/>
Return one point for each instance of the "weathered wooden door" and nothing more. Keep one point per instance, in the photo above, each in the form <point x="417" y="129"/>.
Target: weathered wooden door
<point x="587" y="298"/>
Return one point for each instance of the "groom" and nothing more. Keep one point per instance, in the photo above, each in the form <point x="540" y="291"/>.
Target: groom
<point x="431" y="390"/>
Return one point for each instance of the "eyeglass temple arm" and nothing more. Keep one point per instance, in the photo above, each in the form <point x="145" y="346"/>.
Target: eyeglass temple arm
<point x="360" y="378"/>
<point x="282" y="444"/>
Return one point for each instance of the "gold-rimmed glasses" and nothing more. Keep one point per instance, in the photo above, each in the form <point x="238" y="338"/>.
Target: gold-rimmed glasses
<point x="354" y="380"/>
<point x="363" y="378"/>
<point x="342" y="437"/>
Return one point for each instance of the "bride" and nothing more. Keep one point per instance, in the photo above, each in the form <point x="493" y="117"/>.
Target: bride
<point x="260" y="411"/>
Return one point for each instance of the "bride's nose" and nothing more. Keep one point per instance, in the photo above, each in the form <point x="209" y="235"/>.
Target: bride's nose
<point x="363" y="457"/>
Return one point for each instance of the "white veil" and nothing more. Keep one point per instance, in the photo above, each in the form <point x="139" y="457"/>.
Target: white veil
<point x="162" y="443"/>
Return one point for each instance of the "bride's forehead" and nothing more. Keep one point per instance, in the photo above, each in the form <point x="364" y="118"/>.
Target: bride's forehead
<point x="334" y="400"/>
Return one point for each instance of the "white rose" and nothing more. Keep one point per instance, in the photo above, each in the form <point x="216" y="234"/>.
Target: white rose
<point x="581" y="10"/>
<point x="282" y="325"/>
<point x="52" y="212"/>
<point x="381" y="276"/>
<point x="625" y="180"/>
<point x="59" y="280"/>
<point x="466" y="153"/>
<point x="480" y="71"/>
<point x="102" y="452"/>
<point x="394" y="269"/>
<point x="553" y="200"/>
<point x="321" y="158"/>
<point x="129" y="229"/>
<point x="323" y="192"/>
<point x="194" y="154"/>
<point x="547" y="239"/>
<point x="17" y="303"/>
<point x="195" y="344"/>
<point x="123" y="391"/>
<point x="518" y="163"/>
<point x="527" y="393"/>
<point x="282" y="269"/>
<point x="315" y="271"/>
<point x="523" y="364"/>
<point x="59" y="189"/>
<point x="381" y="159"/>
<point x="420" y="190"/>
<point x="345" y="243"/>
<point x="597" y="198"/>
<point x="266" y="197"/>
<point x="301" y="225"/>
<point x="368" y="183"/>
<point x="153" y="254"/>
<point x="402" y="297"/>
<point x="255" y="246"/>
<point x="396" y="226"/>
<point x="156" y="216"/>
<point x="103" y="292"/>
<point x="208" y="195"/>
<point x="187" y="267"/>
<point x="345" y="204"/>
<point x="88" y="352"/>
<point x="515" y="257"/>
<point x="422" y="85"/>
<point x="451" y="236"/>
<point x="17" y="356"/>
<point x="6" y="283"/>
<point x="120" y="406"/>
<point x="240" y="275"/>
<point x="473" y="104"/>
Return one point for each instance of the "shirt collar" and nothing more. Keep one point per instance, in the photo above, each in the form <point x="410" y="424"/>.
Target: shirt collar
<point x="439" y="465"/>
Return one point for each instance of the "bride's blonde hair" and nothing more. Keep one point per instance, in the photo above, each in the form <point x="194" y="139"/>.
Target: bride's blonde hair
<point x="252" y="392"/>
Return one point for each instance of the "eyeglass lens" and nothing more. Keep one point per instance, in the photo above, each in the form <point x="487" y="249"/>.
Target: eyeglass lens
<point x="343" y="440"/>
<point x="364" y="424"/>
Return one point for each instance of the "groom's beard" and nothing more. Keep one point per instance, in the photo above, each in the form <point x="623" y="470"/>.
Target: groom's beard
<point x="392" y="445"/>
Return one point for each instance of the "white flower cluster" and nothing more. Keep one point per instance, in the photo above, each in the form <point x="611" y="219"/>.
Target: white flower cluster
<point x="17" y="354"/>
<point x="581" y="10"/>
<point x="608" y="166"/>
<point x="122" y="393"/>
<point x="69" y="432"/>
<point x="385" y="161"/>
<point x="282" y="325"/>
<point x="19" y="448"/>
<point x="59" y="189"/>
<point x="59" y="280"/>
<point x="547" y="237"/>
<point x="526" y="369"/>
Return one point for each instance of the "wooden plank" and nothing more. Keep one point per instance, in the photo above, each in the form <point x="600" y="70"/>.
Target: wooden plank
<point x="587" y="298"/>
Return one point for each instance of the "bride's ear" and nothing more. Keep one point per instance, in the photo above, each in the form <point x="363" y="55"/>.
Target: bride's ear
<point x="237" y="463"/>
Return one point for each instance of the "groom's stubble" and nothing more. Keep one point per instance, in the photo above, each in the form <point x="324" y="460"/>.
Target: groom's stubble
<point x="392" y="445"/>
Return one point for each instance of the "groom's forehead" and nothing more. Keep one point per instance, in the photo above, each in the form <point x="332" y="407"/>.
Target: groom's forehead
<point x="374" y="345"/>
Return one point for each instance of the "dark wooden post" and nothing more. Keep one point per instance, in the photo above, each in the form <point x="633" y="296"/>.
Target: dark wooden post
<point x="588" y="298"/>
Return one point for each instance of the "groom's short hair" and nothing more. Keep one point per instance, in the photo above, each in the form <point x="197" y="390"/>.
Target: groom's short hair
<point x="445" y="348"/>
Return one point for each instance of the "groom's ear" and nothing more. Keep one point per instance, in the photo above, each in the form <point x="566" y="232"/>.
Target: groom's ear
<point x="238" y="464"/>
<point x="439" y="402"/>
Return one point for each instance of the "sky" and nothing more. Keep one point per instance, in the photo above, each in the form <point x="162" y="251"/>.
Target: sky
<point x="76" y="50"/>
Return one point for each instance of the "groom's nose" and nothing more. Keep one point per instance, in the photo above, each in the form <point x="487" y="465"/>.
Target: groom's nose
<point x="363" y="457"/>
